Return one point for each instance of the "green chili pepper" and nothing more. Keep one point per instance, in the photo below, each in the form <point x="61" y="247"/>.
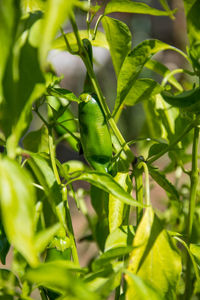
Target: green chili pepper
<point x="95" y="136"/>
<point x="188" y="100"/>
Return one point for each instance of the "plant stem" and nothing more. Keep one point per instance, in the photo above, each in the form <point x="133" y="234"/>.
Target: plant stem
<point x="69" y="227"/>
<point x="85" y="57"/>
<point x="192" y="200"/>
<point x="52" y="156"/>
<point x="171" y="146"/>
<point x="139" y="192"/>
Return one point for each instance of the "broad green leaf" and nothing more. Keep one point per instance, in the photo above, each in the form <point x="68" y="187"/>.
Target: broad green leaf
<point x="74" y="166"/>
<point x="108" y="184"/>
<point x="56" y="12"/>
<point x="100" y="40"/>
<point x="119" y="39"/>
<point x="128" y="6"/>
<point x="116" y="207"/>
<point x="164" y="182"/>
<point x="7" y="22"/>
<point x="17" y="207"/>
<point x="110" y="255"/>
<point x="105" y="281"/>
<point x="58" y="92"/>
<point x="162" y="70"/>
<point x="120" y="237"/>
<point x="37" y="141"/>
<point x="154" y="258"/>
<point x="141" y="288"/>
<point x="142" y="89"/>
<point x="133" y="65"/>
<point x="65" y="281"/>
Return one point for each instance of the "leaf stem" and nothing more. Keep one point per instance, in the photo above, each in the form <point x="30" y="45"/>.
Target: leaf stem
<point x="52" y="155"/>
<point x="193" y="191"/>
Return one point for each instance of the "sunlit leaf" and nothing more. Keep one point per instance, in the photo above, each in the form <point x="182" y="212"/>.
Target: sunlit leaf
<point x="56" y="12"/>
<point x="108" y="184"/>
<point x="119" y="39"/>
<point x="120" y="237"/>
<point x="153" y="250"/>
<point x="17" y="207"/>
<point x="133" y="65"/>
<point x="129" y="6"/>
<point x="99" y="41"/>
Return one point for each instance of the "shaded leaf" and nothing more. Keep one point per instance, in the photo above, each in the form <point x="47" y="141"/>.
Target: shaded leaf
<point x="162" y="70"/>
<point x="142" y="89"/>
<point x="44" y="275"/>
<point x="164" y="182"/>
<point x="157" y="148"/>
<point x="37" y="141"/>
<point x="119" y="39"/>
<point x="17" y="207"/>
<point x="4" y="245"/>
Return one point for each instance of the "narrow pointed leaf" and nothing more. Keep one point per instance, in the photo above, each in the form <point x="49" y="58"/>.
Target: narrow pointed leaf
<point x="119" y="39"/>
<point x="129" y="6"/>
<point x="17" y="207"/>
<point x="108" y="184"/>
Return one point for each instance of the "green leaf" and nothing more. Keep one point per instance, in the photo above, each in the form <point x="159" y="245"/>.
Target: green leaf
<point x="108" y="184"/>
<point x="153" y="250"/>
<point x="119" y="39"/>
<point x="120" y="237"/>
<point x="56" y="12"/>
<point x="4" y="245"/>
<point x="37" y="141"/>
<point x="157" y="148"/>
<point x="133" y="65"/>
<point x="58" y="92"/>
<point x="44" y="237"/>
<point x="162" y="70"/>
<point x="100" y="40"/>
<point x="142" y="89"/>
<point x="116" y="207"/>
<point x="128" y="6"/>
<point x="164" y="182"/>
<point x="192" y="8"/>
<point x="7" y="23"/>
<point x="110" y="255"/>
<point x="44" y="275"/>
<point x="17" y="207"/>
<point x="32" y="5"/>
<point x="195" y="250"/>
<point x="142" y="289"/>
<point x="41" y="167"/>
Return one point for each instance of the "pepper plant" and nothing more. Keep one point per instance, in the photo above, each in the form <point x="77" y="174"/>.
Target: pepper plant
<point x="141" y="253"/>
